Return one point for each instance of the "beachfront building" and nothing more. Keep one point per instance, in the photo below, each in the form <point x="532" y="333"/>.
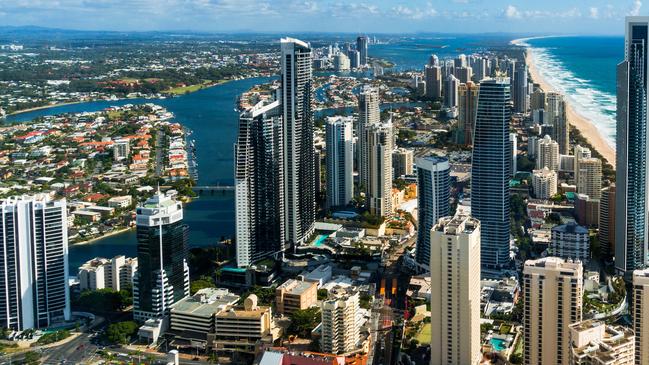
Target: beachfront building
<point x="520" y="93"/>
<point x="433" y="195"/>
<point x="552" y="295"/>
<point x="631" y="151"/>
<point x="339" y="161"/>
<point x="299" y="154"/>
<point x="490" y="172"/>
<point x="547" y="154"/>
<point x="588" y="177"/>
<point x="100" y="273"/>
<point x="467" y="106"/>
<point x="162" y="276"/>
<point x="607" y="222"/>
<point x="258" y="184"/>
<point x="34" y="262"/>
<point x="640" y="312"/>
<point x="558" y="120"/>
<point x="455" y="284"/>
<point x="597" y="343"/>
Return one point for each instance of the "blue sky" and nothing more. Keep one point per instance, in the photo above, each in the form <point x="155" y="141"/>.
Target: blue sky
<point x="357" y="16"/>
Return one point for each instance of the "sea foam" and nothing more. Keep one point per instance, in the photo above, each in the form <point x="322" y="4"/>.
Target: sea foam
<point x="596" y="106"/>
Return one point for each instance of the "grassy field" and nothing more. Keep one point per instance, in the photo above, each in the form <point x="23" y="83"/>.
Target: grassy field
<point x="191" y="88"/>
<point x="424" y="335"/>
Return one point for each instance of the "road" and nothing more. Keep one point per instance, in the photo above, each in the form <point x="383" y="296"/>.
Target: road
<point x="159" y="140"/>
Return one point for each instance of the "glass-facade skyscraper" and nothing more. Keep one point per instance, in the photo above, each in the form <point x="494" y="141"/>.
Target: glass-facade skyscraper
<point x="631" y="151"/>
<point x="299" y="153"/>
<point x="361" y="46"/>
<point x="162" y="277"/>
<point x="434" y="192"/>
<point x="259" y="184"/>
<point x="490" y="172"/>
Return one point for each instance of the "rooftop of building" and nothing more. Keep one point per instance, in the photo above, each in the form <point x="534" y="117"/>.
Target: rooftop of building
<point x="556" y="263"/>
<point x="570" y="227"/>
<point x="458" y="224"/>
<point x="206" y="302"/>
<point x="296" y="287"/>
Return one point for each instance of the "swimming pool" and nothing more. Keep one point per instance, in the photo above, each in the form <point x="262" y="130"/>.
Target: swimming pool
<point x="498" y="344"/>
<point x="319" y="240"/>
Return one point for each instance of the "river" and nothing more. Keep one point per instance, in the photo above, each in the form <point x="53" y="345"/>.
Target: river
<point x="210" y="114"/>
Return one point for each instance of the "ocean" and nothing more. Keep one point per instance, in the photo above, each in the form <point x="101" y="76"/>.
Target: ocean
<point x="584" y="69"/>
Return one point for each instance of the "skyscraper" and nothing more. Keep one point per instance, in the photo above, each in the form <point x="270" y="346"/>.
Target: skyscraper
<point x="340" y="330"/>
<point x="162" y="277"/>
<point x="467" y="105"/>
<point x="368" y="113"/>
<point x="340" y="161"/>
<point x="455" y="291"/>
<point x="259" y="184"/>
<point x="490" y="172"/>
<point x="547" y="154"/>
<point x="552" y="294"/>
<point x="451" y="85"/>
<point x="299" y="160"/>
<point x="402" y="161"/>
<point x="433" y="194"/>
<point x="34" y="262"/>
<point x="631" y="152"/>
<point x="361" y="46"/>
<point x="640" y="312"/>
<point x="588" y="177"/>
<point x="556" y="113"/>
<point x="379" y="141"/>
<point x="464" y="74"/>
<point x="433" y="75"/>
<point x="607" y="223"/>
<point x="513" y="143"/>
<point x="433" y="60"/>
<point x="520" y="91"/>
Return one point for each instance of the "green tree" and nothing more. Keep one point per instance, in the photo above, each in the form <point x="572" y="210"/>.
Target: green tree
<point x="121" y="332"/>
<point x="304" y="321"/>
<point x="201" y="283"/>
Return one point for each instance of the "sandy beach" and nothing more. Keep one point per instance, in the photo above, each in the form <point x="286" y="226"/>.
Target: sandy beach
<point x="587" y="129"/>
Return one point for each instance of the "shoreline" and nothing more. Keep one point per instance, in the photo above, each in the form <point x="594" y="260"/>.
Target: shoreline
<point x="206" y="86"/>
<point x="585" y="126"/>
<point x="94" y="239"/>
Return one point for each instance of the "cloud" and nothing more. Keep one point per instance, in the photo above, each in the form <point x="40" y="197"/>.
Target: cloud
<point x="635" y="8"/>
<point x="594" y="12"/>
<point x="512" y="13"/>
<point x="414" y="13"/>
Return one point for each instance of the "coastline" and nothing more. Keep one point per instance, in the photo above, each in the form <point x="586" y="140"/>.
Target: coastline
<point x="112" y="233"/>
<point x="585" y="126"/>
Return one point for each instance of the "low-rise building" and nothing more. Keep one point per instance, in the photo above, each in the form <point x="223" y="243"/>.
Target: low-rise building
<point x="243" y="328"/>
<point x="295" y="295"/>
<point x="570" y="241"/>
<point x="595" y="343"/>
<point x="120" y="201"/>
<point x="193" y="319"/>
<point x="100" y="273"/>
